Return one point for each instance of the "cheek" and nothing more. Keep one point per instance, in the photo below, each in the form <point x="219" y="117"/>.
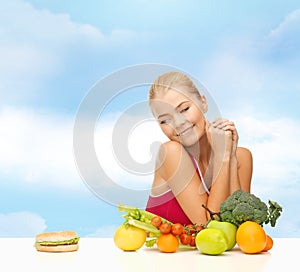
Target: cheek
<point x="197" y="117"/>
<point x="167" y="130"/>
<point x="199" y="121"/>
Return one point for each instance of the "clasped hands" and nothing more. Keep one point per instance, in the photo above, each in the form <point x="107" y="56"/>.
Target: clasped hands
<point x="222" y="136"/>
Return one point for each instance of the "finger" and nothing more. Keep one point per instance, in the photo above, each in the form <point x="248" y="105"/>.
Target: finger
<point x="228" y="127"/>
<point x="225" y="123"/>
<point x="219" y="121"/>
<point x="233" y="131"/>
<point x="228" y="133"/>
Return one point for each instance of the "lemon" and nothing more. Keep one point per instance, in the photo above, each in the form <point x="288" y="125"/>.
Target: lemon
<point x="129" y="238"/>
<point x="211" y="241"/>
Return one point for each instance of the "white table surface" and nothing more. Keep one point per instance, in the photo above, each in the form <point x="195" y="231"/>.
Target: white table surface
<point x="18" y="254"/>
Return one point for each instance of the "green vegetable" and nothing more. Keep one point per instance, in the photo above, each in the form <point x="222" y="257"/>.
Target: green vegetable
<point x="138" y="214"/>
<point x="274" y="212"/>
<point x="151" y="242"/>
<point x="145" y="226"/>
<point x="56" y="243"/>
<point x="242" y="206"/>
<point x="141" y="219"/>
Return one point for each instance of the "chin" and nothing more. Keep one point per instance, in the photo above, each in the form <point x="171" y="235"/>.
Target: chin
<point x="189" y="141"/>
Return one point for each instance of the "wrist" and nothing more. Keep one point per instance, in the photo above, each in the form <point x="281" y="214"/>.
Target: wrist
<point x="222" y="157"/>
<point x="233" y="160"/>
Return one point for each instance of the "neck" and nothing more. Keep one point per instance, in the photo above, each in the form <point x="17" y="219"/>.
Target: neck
<point x="201" y="151"/>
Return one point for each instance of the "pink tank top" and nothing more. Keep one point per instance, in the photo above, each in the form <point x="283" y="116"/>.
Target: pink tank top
<point x="167" y="206"/>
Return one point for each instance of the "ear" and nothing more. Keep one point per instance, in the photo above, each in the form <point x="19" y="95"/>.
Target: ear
<point x="204" y="104"/>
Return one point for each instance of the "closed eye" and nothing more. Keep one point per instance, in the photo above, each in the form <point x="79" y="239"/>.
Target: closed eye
<point x="165" y="121"/>
<point x="184" y="110"/>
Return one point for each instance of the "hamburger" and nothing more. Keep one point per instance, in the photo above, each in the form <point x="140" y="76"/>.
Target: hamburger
<point x="59" y="241"/>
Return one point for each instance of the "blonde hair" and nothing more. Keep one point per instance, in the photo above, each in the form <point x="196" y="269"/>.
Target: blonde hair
<point x="172" y="80"/>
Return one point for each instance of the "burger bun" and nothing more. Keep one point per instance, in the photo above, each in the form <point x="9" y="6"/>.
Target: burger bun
<point x="58" y="241"/>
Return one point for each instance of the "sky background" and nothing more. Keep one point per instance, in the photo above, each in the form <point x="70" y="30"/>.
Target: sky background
<point x="246" y="53"/>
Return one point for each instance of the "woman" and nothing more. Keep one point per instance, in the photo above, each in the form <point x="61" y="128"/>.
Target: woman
<point x="201" y="164"/>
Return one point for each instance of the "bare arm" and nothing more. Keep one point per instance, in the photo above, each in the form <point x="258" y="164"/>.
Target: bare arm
<point x="241" y="164"/>
<point x="177" y="170"/>
<point x="244" y="168"/>
<point x="220" y="141"/>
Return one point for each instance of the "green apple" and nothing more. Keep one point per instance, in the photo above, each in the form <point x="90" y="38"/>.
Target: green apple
<point x="228" y="228"/>
<point x="211" y="241"/>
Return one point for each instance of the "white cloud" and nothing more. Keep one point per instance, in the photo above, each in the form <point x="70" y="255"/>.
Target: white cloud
<point x="36" y="149"/>
<point x="289" y="25"/>
<point x="37" y="44"/>
<point x="34" y="46"/>
<point x="135" y="137"/>
<point x="275" y="147"/>
<point x="281" y="45"/>
<point x="25" y="26"/>
<point x="105" y="231"/>
<point x="21" y="224"/>
<point x="41" y="27"/>
<point x="247" y="70"/>
<point x="235" y="74"/>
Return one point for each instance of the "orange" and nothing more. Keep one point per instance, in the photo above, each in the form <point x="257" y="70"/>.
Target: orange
<point x="167" y="243"/>
<point x="251" y="237"/>
<point x="269" y="243"/>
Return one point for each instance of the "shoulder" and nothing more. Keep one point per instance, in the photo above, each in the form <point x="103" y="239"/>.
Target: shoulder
<point x="172" y="151"/>
<point x="244" y="152"/>
<point x="171" y="156"/>
<point x="244" y="155"/>
<point x="171" y="147"/>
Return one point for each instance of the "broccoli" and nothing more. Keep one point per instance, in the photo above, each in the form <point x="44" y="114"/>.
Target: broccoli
<point x="242" y="206"/>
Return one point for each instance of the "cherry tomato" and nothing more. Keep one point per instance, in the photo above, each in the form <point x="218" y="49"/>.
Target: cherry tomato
<point x="156" y="221"/>
<point x="165" y="228"/>
<point x="190" y="228"/>
<point x="198" y="228"/>
<point x="177" y="229"/>
<point x="185" y="239"/>
<point x="193" y="241"/>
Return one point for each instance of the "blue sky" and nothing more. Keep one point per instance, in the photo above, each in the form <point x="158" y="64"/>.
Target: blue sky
<point x="246" y="53"/>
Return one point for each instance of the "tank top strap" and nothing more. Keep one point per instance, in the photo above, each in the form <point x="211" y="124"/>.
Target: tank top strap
<point x="196" y="165"/>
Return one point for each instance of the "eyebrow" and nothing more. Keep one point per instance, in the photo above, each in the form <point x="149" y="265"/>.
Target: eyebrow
<point x="178" y="106"/>
<point x="185" y="101"/>
<point x="162" y="115"/>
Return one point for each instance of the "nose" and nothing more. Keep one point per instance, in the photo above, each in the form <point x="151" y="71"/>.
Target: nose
<point x="178" y="120"/>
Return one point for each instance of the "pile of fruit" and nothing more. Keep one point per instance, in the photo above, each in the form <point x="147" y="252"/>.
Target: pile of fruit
<point x="217" y="236"/>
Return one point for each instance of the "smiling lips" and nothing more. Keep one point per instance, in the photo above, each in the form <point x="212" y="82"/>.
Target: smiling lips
<point x="185" y="131"/>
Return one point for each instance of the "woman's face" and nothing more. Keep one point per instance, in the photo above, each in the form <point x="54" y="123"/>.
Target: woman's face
<point x="180" y="118"/>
